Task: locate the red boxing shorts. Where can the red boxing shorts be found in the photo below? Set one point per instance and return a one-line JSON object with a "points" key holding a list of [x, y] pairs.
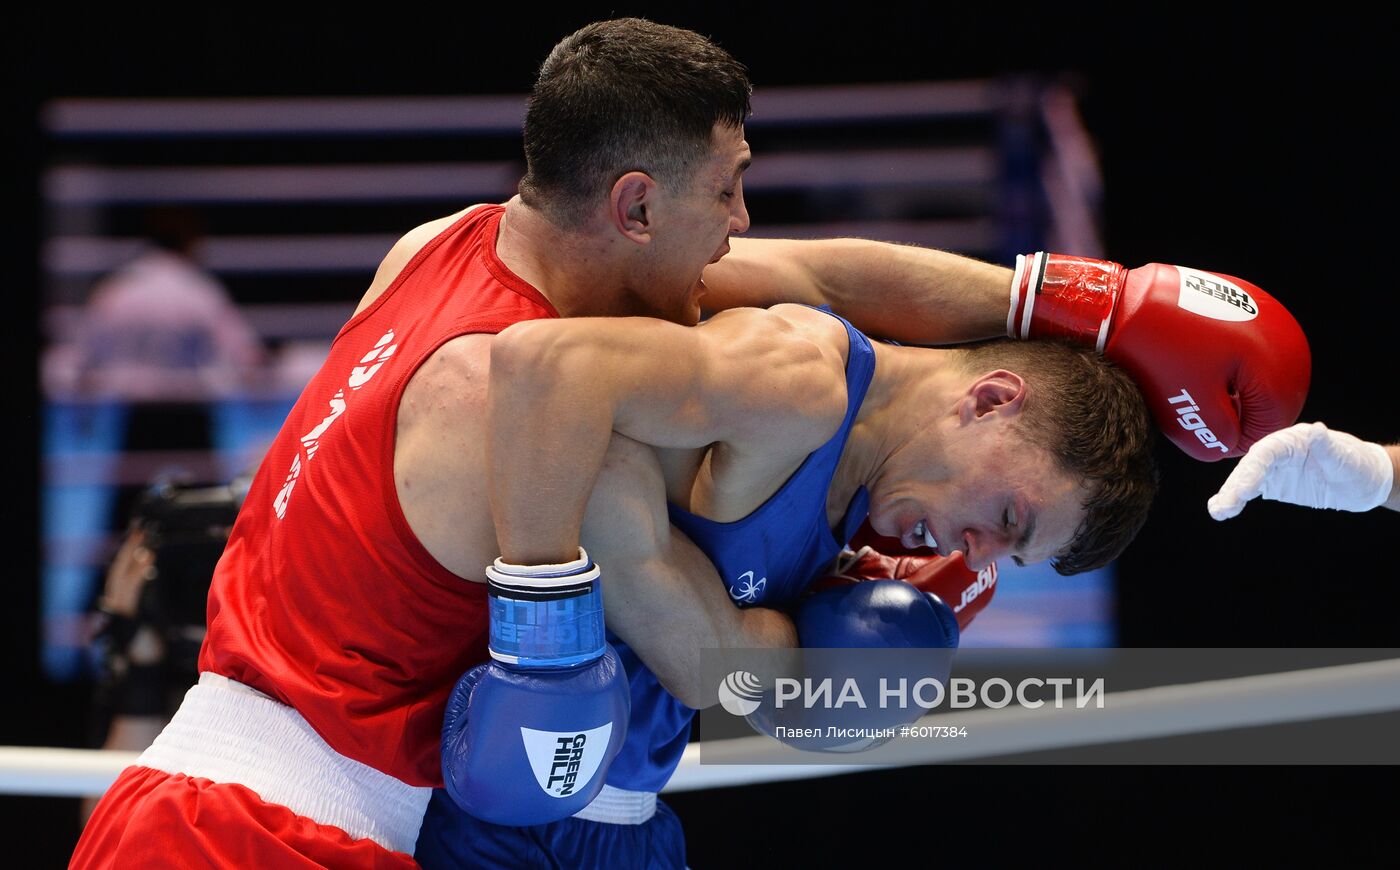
{"points": [[240, 780]]}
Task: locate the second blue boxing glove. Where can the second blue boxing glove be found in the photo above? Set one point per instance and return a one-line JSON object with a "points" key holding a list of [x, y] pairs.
{"points": [[528, 736]]}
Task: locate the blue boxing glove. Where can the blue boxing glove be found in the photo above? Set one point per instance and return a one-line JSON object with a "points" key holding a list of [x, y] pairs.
{"points": [[873, 615], [528, 737], [878, 614]]}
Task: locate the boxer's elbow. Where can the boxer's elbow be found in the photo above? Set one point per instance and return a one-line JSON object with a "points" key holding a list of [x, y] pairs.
{"points": [[769, 635], [760, 628], [685, 685]]}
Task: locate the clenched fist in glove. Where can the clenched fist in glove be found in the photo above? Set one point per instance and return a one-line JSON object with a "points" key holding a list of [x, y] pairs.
{"points": [[1311, 465], [1220, 363]]}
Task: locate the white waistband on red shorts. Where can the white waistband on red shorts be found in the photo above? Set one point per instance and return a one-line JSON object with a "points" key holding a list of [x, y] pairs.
{"points": [[618, 806], [229, 733]]}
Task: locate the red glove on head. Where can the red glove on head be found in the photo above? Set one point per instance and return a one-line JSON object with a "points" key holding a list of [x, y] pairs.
{"points": [[1219, 361]]}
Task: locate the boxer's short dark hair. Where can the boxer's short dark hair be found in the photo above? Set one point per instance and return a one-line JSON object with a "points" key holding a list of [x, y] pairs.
{"points": [[1089, 415], [620, 96]]}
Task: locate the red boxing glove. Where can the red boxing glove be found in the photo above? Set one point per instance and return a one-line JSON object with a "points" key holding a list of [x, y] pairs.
{"points": [[966, 591], [1219, 361]]}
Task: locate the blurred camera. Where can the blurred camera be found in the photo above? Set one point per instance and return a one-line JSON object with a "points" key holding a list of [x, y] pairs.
{"points": [[186, 528]]}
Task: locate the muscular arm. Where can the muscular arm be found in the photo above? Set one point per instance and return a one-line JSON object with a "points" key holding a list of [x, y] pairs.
{"points": [[559, 389], [660, 592], [911, 294]]}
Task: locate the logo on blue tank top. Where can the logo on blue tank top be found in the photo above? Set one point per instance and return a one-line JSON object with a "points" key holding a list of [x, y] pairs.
{"points": [[747, 590]]}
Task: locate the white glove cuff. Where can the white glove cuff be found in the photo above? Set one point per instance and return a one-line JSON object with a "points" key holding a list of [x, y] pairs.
{"points": [[1022, 303], [579, 570]]}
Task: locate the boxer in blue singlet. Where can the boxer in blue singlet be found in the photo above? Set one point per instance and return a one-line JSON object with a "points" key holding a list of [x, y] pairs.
{"points": [[765, 559], [769, 421]]}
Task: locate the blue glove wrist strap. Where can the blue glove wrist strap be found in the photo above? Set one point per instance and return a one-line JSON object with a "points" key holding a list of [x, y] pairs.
{"points": [[544, 618]]}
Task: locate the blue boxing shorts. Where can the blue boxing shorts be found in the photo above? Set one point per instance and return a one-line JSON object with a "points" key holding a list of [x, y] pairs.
{"points": [[450, 838]]}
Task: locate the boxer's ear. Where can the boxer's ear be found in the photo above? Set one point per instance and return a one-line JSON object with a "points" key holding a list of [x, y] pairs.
{"points": [[630, 205], [997, 393]]}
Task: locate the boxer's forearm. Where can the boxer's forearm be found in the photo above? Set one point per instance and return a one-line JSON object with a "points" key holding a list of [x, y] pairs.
{"points": [[910, 294], [661, 594], [543, 453], [672, 611]]}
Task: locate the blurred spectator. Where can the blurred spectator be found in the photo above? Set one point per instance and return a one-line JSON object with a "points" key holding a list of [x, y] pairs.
{"points": [[154, 363], [159, 328]]}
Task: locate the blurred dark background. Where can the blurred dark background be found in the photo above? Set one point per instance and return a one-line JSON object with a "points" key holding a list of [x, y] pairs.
{"points": [[1259, 148]]}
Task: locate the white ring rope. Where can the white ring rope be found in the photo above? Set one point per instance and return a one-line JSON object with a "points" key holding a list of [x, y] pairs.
{"points": [[60, 772], [1164, 711], [1190, 708]]}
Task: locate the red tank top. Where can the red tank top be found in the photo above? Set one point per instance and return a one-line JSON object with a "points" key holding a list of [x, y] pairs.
{"points": [[324, 599]]}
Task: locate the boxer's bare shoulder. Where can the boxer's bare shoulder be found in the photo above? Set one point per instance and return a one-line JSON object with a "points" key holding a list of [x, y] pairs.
{"points": [[732, 479], [402, 252], [818, 327], [440, 456]]}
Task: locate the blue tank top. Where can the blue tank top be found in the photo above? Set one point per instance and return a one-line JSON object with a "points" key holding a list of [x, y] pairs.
{"points": [[767, 558]]}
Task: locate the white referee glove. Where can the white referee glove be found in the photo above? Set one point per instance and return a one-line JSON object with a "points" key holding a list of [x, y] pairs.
{"points": [[1310, 465]]}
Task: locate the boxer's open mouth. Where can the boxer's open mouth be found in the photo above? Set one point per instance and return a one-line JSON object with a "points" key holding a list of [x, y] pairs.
{"points": [[925, 535]]}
